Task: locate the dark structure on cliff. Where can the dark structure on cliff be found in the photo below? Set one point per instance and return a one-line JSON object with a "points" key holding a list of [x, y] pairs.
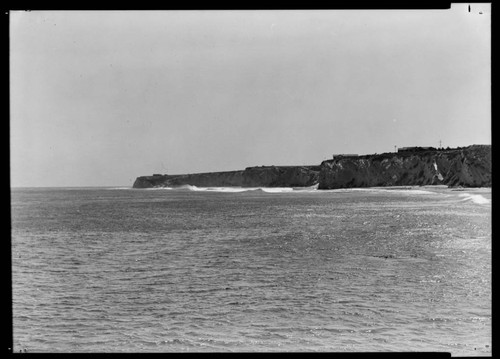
{"points": [[416, 149], [344, 155]]}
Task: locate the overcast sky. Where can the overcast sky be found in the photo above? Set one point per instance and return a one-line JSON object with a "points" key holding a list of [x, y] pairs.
{"points": [[99, 98]]}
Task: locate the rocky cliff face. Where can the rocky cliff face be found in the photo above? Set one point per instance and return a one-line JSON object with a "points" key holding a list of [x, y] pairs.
{"points": [[467, 167], [265, 176]]}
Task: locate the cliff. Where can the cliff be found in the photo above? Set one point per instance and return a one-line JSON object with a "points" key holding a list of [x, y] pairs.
{"points": [[467, 167], [265, 176]]}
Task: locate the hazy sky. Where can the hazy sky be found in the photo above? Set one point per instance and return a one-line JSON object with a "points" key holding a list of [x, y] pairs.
{"points": [[99, 98]]}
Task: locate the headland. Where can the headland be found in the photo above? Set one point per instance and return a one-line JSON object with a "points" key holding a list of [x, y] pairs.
{"points": [[410, 166]]}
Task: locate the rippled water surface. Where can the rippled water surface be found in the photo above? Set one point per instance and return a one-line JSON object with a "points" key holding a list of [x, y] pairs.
{"points": [[125, 270]]}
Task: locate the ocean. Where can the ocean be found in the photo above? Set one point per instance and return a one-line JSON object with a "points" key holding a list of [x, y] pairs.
{"points": [[238, 270]]}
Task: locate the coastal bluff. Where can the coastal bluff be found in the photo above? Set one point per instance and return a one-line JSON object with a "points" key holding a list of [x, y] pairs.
{"points": [[466, 166], [264, 176]]}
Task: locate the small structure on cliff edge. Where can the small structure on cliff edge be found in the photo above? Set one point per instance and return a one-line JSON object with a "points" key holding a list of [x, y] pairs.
{"points": [[344, 155], [415, 149]]}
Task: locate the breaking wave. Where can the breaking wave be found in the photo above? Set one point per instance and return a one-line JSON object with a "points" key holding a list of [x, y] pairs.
{"points": [[239, 189], [476, 198], [216, 189], [156, 188], [310, 189], [383, 190]]}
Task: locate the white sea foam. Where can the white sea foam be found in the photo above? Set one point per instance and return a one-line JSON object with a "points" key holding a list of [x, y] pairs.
{"points": [[476, 198], [276, 189], [246, 189], [306, 189], [229, 189], [415, 191], [310, 189], [222, 189], [192, 188], [213, 189], [383, 190], [157, 188]]}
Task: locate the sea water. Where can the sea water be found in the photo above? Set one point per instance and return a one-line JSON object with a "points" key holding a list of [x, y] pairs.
{"points": [[228, 269]]}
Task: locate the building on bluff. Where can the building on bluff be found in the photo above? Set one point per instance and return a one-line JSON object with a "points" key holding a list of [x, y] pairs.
{"points": [[415, 149], [338, 156]]}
